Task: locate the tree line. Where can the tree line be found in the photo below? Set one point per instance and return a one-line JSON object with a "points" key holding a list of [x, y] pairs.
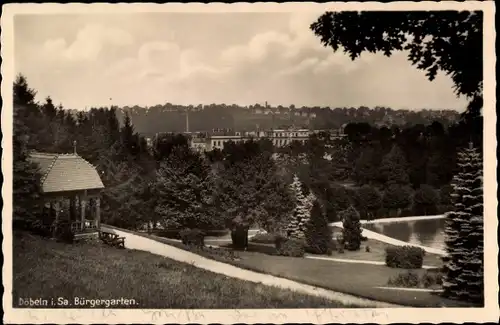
{"points": [[379, 171], [172, 118]]}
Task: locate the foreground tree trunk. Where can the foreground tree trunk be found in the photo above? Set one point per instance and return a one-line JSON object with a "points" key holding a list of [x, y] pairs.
{"points": [[239, 237], [239, 233]]}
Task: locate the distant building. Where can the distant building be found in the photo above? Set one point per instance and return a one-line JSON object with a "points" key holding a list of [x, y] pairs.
{"points": [[204, 141], [278, 137]]}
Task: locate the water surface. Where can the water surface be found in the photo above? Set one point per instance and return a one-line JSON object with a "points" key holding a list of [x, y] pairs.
{"points": [[428, 232]]}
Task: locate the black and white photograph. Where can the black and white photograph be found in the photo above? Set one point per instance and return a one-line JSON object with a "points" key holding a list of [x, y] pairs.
{"points": [[243, 163]]}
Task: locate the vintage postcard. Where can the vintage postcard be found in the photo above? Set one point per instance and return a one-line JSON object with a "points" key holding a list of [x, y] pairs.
{"points": [[249, 163]]}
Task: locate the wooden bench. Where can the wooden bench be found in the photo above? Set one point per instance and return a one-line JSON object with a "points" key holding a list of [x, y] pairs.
{"points": [[112, 239]]}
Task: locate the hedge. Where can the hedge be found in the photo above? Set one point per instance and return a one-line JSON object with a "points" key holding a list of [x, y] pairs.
{"points": [[404, 257]]}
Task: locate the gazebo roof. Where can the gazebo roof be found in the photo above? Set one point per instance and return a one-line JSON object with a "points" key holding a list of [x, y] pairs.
{"points": [[66, 172]]}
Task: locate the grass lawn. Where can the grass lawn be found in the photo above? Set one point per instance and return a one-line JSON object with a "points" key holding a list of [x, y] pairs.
{"points": [[377, 251], [356, 279], [47, 269]]}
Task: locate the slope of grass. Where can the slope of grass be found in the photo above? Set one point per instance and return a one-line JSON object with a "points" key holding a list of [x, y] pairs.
{"points": [[361, 280], [47, 269]]}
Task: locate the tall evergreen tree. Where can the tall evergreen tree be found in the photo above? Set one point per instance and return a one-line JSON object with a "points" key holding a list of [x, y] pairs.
{"points": [[464, 274], [318, 234], [301, 213], [351, 229], [26, 178]]}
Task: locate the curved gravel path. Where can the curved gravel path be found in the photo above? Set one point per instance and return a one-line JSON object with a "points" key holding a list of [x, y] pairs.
{"points": [[145, 244]]}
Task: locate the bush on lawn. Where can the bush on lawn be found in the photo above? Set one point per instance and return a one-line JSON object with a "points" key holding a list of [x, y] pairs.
{"points": [[290, 247], [404, 257], [351, 229], [214, 253], [175, 233], [193, 237], [265, 238], [430, 279], [407, 280], [410, 279]]}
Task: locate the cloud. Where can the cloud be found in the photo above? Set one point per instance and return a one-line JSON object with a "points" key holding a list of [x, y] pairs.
{"points": [[283, 64], [88, 44]]}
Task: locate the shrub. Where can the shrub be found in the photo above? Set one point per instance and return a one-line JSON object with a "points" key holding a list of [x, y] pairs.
{"points": [[351, 229], [407, 280], [404, 257], [430, 279], [341, 249], [291, 247], [367, 249], [213, 253], [193, 237], [265, 238], [170, 233], [364, 238], [318, 233], [410, 279], [279, 240]]}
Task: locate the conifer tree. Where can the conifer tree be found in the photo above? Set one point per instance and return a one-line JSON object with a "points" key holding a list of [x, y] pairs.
{"points": [[318, 233], [301, 213], [351, 230], [464, 231], [26, 185]]}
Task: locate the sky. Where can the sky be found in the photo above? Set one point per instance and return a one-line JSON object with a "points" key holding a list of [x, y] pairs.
{"points": [[145, 59]]}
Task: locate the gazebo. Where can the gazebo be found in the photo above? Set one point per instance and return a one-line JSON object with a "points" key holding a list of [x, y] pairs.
{"points": [[70, 183]]}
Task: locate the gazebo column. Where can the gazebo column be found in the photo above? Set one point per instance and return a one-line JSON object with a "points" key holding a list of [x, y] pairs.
{"points": [[83, 203], [55, 205], [57, 210], [98, 212], [72, 208]]}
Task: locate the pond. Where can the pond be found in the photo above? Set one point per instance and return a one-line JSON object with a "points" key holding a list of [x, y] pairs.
{"points": [[429, 232]]}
